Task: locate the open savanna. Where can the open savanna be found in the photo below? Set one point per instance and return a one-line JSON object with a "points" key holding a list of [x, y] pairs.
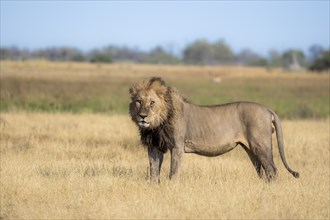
{"points": [[68, 149], [91, 166]]}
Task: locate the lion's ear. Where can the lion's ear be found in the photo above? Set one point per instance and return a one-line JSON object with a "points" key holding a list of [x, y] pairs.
{"points": [[133, 90], [158, 85]]}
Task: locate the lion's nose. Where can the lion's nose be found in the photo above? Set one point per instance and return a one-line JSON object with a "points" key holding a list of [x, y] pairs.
{"points": [[143, 115]]}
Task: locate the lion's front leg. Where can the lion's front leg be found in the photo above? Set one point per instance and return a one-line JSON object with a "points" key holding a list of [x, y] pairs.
{"points": [[176, 154], [155, 161]]}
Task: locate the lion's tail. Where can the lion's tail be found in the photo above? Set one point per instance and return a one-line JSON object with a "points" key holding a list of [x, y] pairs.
{"points": [[279, 136]]}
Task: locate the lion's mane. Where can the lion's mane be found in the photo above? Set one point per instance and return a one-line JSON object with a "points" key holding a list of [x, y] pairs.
{"points": [[161, 136]]}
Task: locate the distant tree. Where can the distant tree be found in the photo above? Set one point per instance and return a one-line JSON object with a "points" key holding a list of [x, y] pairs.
{"points": [[14, 53], [59, 54], [250, 58], [79, 57], [222, 53], [198, 52], [159, 56], [293, 59], [6, 54], [204, 53], [315, 52], [97, 56], [262, 62], [275, 58], [123, 53], [322, 63]]}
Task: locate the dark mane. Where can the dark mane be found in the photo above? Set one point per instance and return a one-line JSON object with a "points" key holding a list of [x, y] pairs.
{"points": [[161, 137]]}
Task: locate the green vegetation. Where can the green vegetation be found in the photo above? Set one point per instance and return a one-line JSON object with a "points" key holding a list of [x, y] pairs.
{"points": [[202, 52], [101, 58], [322, 63], [59, 96], [66, 87]]}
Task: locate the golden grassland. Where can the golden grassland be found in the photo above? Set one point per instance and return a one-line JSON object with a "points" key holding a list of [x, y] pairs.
{"points": [[91, 166], [63, 158]]}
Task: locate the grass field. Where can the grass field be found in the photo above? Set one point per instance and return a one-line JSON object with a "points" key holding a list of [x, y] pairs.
{"points": [[95, 88], [68, 149], [91, 166]]}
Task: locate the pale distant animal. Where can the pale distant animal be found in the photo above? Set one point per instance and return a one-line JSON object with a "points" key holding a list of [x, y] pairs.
{"points": [[167, 121], [214, 78]]}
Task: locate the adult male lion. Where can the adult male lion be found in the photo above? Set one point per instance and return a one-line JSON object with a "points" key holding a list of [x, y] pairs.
{"points": [[167, 121]]}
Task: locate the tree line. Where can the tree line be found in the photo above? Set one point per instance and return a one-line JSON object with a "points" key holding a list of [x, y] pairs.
{"points": [[199, 52]]}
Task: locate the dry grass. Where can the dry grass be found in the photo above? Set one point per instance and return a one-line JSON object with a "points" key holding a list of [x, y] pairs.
{"points": [[91, 166], [64, 166]]}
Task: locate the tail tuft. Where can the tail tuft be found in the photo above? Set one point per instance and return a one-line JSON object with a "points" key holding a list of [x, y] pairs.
{"points": [[295, 174]]}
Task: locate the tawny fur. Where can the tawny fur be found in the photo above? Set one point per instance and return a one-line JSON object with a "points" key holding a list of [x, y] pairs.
{"points": [[167, 121]]}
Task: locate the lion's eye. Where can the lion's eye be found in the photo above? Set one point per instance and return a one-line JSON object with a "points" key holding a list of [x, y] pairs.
{"points": [[138, 102], [152, 103]]}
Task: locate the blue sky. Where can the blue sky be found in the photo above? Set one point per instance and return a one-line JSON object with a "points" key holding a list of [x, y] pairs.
{"points": [[258, 25]]}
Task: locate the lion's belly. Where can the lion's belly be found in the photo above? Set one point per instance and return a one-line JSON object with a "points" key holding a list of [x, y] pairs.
{"points": [[209, 132], [207, 149]]}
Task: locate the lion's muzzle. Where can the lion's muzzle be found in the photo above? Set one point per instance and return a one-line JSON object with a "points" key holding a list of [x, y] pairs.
{"points": [[141, 120], [142, 123]]}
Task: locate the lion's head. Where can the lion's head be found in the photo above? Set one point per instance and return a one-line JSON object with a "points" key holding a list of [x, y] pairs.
{"points": [[151, 103]]}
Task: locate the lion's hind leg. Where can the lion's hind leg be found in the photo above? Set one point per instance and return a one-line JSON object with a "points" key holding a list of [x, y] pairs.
{"points": [[265, 156], [255, 161], [270, 169], [260, 144]]}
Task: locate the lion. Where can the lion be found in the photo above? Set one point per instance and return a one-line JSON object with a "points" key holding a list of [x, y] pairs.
{"points": [[168, 121]]}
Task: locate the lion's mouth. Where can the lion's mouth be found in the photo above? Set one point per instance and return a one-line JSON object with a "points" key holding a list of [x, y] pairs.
{"points": [[144, 124]]}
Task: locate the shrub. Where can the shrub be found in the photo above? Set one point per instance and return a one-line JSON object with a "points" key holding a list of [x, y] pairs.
{"points": [[322, 63]]}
